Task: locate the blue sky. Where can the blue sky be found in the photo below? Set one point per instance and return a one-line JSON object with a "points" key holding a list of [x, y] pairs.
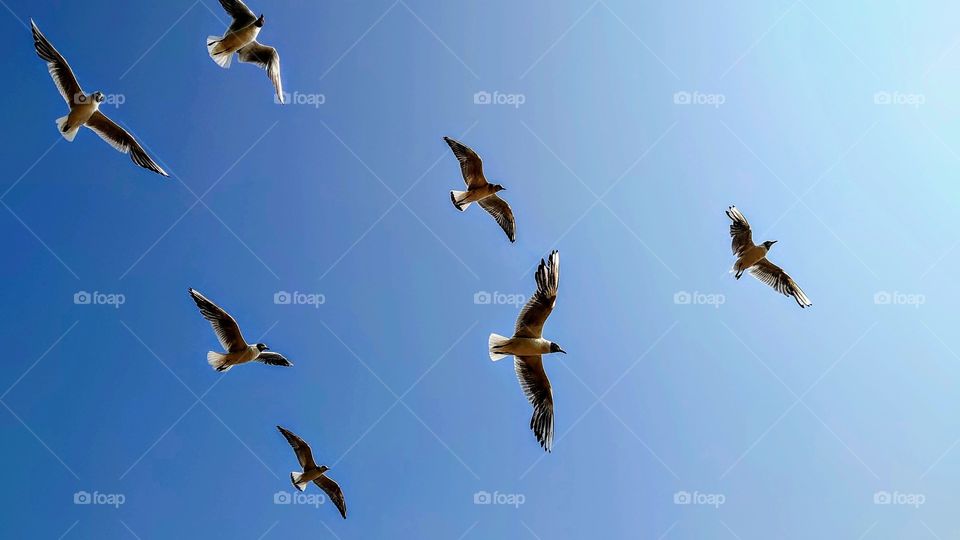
{"points": [[830, 126]]}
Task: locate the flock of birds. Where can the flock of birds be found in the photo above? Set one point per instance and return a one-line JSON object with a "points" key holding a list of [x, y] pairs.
{"points": [[527, 344]]}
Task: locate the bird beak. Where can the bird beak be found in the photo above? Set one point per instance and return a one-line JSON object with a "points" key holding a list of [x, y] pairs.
{"points": [[266, 348], [773, 242], [563, 351]]}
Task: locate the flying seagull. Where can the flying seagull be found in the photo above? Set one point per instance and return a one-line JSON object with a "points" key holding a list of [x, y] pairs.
{"points": [[753, 259], [527, 346], [312, 473], [238, 352], [479, 190], [241, 38], [85, 108]]}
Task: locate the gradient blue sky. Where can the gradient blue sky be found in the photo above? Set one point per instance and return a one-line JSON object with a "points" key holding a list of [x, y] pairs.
{"points": [[797, 419]]}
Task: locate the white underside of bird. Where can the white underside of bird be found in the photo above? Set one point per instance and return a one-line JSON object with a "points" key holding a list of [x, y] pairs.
{"points": [[502, 346], [225, 361], [223, 48]]}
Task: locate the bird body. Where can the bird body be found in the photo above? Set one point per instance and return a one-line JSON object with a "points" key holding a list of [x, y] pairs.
{"points": [[528, 346], [228, 333], [241, 39], [753, 258], [85, 108], [231, 42], [312, 472], [479, 190]]}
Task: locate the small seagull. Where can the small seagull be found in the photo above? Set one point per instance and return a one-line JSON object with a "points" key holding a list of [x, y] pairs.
{"points": [[228, 332], [312, 473], [241, 38], [753, 259], [85, 108], [479, 190], [527, 346]]}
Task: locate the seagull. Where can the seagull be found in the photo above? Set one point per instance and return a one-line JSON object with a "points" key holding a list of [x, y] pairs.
{"points": [[527, 346], [753, 259], [312, 473], [238, 352], [241, 38], [479, 191], [85, 108]]}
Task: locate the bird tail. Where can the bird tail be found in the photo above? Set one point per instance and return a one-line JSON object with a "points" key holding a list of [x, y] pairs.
{"points": [[297, 480], [495, 341], [68, 132], [218, 361], [454, 195], [222, 58]]}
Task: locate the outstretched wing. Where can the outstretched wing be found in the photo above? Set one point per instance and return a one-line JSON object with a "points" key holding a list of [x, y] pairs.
{"points": [[267, 58], [470, 164], [500, 210], [273, 359], [775, 277], [123, 141], [332, 489], [535, 312], [242, 16], [536, 386], [302, 449], [739, 231], [228, 332], [60, 71]]}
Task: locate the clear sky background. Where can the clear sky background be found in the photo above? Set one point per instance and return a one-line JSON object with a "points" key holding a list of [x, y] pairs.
{"points": [[831, 125]]}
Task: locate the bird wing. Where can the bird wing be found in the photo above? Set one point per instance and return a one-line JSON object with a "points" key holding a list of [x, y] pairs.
{"points": [[332, 489], [470, 164], [242, 16], [123, 141], [273, 359], [739, 231], [775, 277], [536, 386], [535, 312], [265, 57], [302, 449], [59, 69], [228, 332], [500, 210]]}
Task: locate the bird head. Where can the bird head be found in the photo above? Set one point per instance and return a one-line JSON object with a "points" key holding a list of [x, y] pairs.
{"points": [[98, 96], [556, 348], [323, 469], [262, 347], [498, 187], [769, 243], [259, 22]]}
